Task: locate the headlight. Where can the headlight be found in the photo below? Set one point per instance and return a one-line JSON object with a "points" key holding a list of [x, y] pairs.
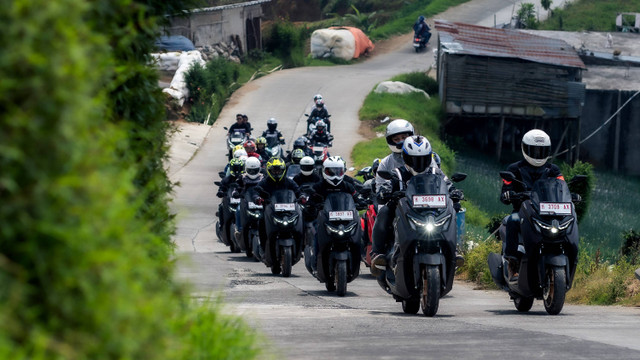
{"points": [[255, 214], [233, 208], [552, 229], [430, 225], [286, 221], [340, 230]]}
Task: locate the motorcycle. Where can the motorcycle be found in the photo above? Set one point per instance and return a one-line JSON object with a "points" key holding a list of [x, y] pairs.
{"points": [[548, 245], [420, 42], [223, 230], [251, 214], [282, 246], [423, 258], [237, 137], [337, 261], [311, 123]]}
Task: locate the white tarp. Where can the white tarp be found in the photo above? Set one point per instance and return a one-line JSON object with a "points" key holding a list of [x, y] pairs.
{"points": [[178, 88], [397, 87], [338, 43], [167, 61]]}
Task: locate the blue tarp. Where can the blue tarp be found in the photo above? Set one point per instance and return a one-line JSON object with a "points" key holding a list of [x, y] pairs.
{"points": [[174, 43]]}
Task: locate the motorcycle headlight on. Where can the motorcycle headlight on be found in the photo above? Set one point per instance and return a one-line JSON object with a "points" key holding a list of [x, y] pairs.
{"points": [[254, 214], [552, 229], [286, 221], [340, 230], [430, 224]]}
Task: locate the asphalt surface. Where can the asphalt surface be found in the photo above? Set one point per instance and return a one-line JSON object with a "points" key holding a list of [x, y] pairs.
{"points": [[299, 318]]}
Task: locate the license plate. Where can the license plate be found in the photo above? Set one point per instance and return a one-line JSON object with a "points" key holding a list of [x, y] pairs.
{"points": [[254, 206], [236, 140], [318, 149], [555, 208], [285, 207], [234, 201], [340, 215], [416, 44], [429, 201]]}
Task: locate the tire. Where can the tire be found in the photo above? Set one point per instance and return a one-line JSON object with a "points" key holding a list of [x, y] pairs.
{"points": [[523, 304], [249, 250], [275, 268], [430, 291], [330, 283], [554, 289], [341, 277], [417, 49], [410, 306], [286, 261]]}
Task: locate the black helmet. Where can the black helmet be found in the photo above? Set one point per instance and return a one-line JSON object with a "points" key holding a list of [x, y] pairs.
{"points": [[272, 124], [320, 126], [300, 143]]}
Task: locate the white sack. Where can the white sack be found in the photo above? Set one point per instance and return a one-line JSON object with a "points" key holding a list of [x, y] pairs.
{"points": [[339, 43], [397, 87], [167, 61], [178, 88]]}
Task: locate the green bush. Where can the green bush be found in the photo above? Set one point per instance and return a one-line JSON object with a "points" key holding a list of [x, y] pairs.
{"points": [[584, 189], [286, 41], [631, 246], [210, 87], [475, 266]]}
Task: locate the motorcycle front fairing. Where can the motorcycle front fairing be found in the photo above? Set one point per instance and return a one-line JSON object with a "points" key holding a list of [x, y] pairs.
{"points": [[549, 232], [425, 234], [338, 232], [283, 221]]}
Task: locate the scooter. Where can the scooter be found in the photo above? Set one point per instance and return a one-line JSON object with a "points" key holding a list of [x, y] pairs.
{"points": [[320, 153], [251, 214], [548, 245], [311, 123], [423, 258], [223, 230], [420, 42], [281, 245], [235, 138], [337, 259]]}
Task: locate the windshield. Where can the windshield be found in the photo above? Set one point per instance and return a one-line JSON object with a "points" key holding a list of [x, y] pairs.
{"points": [[550, 190], [238, 133], [272, 140], [293, 170], [250, 194], [339, 201], [427, 184], [284, 196]]}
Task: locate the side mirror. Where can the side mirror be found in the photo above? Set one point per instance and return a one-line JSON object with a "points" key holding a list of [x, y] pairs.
{"points": [[218, 183], [507, 175], [385, 174], [226, 128], [457, 177], [307, 115], [577, 179], [222, 174]]}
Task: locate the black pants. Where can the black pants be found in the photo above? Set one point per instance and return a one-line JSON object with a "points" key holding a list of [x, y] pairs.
{"points": [[511, 241], [382, 233]]}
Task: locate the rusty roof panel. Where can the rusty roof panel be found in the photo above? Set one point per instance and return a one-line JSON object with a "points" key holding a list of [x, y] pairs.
{"points": [[460, 38]]}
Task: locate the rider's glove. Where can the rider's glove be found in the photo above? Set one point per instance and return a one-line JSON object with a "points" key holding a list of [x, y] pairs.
{"points": [[303, 199], [576, 198], [507, 196], [457, 195], [220, 194], [258, 201], [235, 195]]}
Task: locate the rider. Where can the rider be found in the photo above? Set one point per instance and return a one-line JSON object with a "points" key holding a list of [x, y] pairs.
{"points": [[272, 132], [536, 149], [245, 119], [307, 174], [236, 168], [250, 148], [302, 143], [294, 157], [319, 112], [418, 158], [250, 178], [421, 29], [320, 134], [261, 144], [240, 125]]}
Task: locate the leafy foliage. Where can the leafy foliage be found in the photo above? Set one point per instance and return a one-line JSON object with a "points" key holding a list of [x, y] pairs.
{"points": [[475, 266], [589, 15], [631, 246], [210, 87], [526, 16], [584, 189], [286, 41]]}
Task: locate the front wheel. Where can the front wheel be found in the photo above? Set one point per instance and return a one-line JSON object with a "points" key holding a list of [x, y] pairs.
{"points": [[430, 292], [523, 304], [341, 277], [554, 290], [285, 261], [410, 306]]}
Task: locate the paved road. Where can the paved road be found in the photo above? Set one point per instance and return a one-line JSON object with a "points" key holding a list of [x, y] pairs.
{"points": [[300, 319]]}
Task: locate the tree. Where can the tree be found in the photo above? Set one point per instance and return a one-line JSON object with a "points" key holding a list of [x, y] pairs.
{"points": [[526, 16]]}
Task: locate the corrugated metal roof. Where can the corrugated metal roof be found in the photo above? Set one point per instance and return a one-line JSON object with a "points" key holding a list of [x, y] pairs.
{"points": [[460, 38], [229, 6]]}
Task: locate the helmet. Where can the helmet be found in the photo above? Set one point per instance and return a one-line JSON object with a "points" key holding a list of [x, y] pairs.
{"points": [[536, 147], [239, 153], [297, 155], [272, 124], [321, 126], [307, 165], [300, 143], [237, 147], [276, 169], [317, 97], [375, 166], [417, 154], [261, 141], [236, 167], [252, 168], [333, 170], [420, 18], [250, 146], [319, 103], [398, 126]]}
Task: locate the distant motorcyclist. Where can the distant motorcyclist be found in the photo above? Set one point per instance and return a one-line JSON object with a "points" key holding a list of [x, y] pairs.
{"points": [[418, 158], [294, 157], [302, 143], [272, 134], [536, 149], [308, 175], [261, 144], [250, 178], [320, 112], [245, 119], [250, 148], [422, 30], [236, 169], [321, 134], [240, 125]]}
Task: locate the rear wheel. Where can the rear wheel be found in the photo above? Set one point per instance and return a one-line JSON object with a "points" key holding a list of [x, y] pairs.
{"points": [[410, 306], [554, 290], [341, 277], [285, 261], [430, 292], [523, 304]]}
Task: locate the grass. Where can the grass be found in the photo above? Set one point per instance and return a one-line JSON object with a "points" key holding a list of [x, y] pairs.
{"points": [[590, 15]]}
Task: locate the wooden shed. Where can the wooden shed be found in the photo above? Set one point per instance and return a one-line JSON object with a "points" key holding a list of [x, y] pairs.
{"points": [[492, 78]]}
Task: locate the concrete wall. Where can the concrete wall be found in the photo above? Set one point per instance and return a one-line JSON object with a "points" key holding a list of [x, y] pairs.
{"points": [[617, 145]]}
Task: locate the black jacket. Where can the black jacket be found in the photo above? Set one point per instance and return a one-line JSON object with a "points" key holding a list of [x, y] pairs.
{"points": [[321, 189], [528, 174], [267, 185], [244, 126], [323, 137], [225, 183]]}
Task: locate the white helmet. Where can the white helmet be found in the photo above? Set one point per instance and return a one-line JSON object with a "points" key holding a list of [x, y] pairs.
{"points": [[317, 97], [307, 165], [333, 170], [272, 124], [321, 126], [398, 126], [536, 147], [252, 168], [240, 153], [417, 154]]}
